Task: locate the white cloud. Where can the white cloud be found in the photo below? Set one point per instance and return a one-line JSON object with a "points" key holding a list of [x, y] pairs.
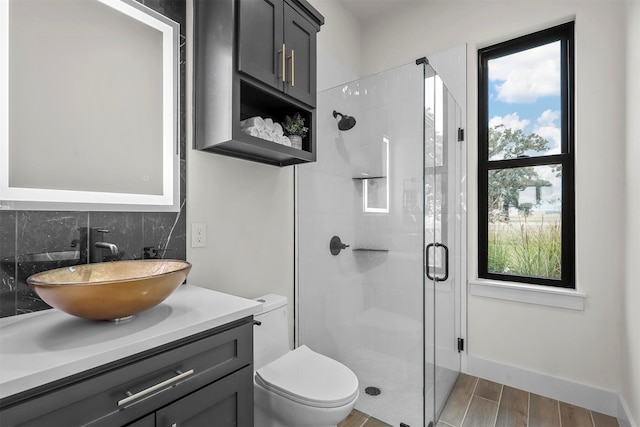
{"points": [[548, 118], [525, 76], [510, 121], [547, 127]]}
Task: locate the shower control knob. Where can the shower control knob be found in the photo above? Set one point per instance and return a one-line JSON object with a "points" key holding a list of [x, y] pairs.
{"points": [[336, 245]]}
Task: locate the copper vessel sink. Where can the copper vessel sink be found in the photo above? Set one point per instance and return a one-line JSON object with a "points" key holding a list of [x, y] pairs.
{"points": [[110, 290]]}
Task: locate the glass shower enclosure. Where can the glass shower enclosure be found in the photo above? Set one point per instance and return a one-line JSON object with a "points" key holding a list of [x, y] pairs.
{"points": [[379, 240]]}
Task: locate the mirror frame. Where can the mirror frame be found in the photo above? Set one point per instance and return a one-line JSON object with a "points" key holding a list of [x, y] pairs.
{"points": [[20, 198]]}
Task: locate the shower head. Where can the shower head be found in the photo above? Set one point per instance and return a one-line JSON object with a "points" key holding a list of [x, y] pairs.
{"points": [[345, 122]]}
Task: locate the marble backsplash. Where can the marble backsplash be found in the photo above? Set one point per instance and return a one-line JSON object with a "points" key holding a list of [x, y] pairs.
{"points": [[137, 235]]}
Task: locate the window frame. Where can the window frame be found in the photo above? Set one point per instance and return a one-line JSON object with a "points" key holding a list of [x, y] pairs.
{"points": [[565, 35]]}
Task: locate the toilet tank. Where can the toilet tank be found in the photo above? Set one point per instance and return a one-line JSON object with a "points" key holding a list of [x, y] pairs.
{"points": [[271, 337]]}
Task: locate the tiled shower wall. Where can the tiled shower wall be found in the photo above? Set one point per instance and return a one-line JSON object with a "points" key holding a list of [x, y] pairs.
{"points": [[137, 234]]}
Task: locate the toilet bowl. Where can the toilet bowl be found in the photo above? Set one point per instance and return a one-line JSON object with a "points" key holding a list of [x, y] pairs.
{"points": [[296, 388]]}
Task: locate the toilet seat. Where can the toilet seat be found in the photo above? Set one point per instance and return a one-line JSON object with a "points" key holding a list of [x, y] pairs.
{"points": [[309, 378]]}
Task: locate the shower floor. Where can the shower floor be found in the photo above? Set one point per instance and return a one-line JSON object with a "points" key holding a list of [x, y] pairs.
{"points": [[401, 391]]}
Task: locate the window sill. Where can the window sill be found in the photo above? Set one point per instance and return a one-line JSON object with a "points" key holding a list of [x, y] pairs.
{"points": [[531, 294]]}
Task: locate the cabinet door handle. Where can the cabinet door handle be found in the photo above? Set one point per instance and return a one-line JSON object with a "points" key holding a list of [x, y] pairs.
{"points": [[284, 64], [131, 397], [292, 57]]}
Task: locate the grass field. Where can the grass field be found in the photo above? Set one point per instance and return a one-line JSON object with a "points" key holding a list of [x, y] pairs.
{"points": [[527, 246]]}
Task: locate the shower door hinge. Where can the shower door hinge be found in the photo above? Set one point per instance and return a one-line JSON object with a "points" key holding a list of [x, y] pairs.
{"points": [[460, 134], [460, 345]]}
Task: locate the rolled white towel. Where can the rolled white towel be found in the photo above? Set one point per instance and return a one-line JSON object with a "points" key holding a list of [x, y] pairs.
{"points": [[285, 141], [277, 129], [268, 134], [253, 131], [268, 124], [256, 122]]}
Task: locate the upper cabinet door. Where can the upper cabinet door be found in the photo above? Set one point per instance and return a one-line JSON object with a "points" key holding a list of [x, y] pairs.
{"points": [[300, 40], [260, 40]]}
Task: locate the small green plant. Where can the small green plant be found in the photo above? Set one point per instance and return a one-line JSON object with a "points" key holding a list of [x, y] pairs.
{"points": [[295, 125]]}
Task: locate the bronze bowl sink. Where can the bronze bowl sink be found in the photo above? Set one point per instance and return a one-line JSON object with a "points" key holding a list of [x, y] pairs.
{"points": [[110, 290]]}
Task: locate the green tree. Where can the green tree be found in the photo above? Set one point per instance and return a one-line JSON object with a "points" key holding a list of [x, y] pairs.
{"points": [[505, 185]]}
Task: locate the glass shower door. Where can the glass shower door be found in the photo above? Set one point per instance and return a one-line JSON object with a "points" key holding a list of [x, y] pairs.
{"points": [[442, 224]]}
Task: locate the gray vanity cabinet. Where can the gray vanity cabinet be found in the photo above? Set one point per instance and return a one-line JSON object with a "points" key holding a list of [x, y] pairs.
{"points": [[204, 379], [218, 404]]}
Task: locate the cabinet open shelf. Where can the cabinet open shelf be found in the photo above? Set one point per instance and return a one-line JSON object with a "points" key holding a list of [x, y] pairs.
{"points": [[261, 150]]}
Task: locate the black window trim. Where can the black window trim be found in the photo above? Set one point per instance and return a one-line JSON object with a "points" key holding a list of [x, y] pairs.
{"points": [[565, 34]]}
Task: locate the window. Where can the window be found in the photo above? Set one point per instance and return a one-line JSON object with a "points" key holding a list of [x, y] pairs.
{"points": [[525, 159]]}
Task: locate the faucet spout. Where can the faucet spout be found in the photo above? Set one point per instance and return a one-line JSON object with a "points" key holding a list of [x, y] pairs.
{"points": [[110, 246], [94, 239]]}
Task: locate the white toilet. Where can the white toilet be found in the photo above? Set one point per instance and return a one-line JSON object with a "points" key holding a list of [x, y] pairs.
{"points": [[295, 388]]}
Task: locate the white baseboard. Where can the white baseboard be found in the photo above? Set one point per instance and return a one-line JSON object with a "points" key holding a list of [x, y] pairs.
{"points": [[595, 399], [624, 414]]}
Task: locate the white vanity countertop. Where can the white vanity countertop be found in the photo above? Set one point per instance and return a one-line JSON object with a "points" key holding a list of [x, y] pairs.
{"points": [[41, 347]]}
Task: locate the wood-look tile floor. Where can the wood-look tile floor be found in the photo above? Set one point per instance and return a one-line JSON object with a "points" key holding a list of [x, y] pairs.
{"points": [[475, 402], [360, 419]]}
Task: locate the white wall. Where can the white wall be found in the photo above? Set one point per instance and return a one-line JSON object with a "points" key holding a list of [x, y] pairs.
{"points": [[631, 293], [339, 45], [580, 346], [248, 209]]}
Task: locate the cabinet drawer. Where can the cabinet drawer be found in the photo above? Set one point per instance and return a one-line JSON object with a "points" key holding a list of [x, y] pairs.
{"points": [[225, 403], [154, 378]]}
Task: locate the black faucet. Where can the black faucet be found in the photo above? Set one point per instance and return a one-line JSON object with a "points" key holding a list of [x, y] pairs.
{"points": [[92, 245]]}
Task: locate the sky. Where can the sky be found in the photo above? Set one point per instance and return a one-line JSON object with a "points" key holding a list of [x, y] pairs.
{"points": [[524, 94]]}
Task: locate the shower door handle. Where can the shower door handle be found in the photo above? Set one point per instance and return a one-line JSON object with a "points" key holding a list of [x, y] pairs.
{"points": [[435, 277], [426, 261]]}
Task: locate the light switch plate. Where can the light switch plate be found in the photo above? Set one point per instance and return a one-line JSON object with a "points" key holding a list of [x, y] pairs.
{"points": [[198, 235]]}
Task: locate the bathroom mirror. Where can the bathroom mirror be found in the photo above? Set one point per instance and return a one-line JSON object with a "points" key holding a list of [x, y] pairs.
{"points": [[88, 106]]}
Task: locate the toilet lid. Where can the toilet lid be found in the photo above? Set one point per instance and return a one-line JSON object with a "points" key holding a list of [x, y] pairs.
{"points": [[307, 377]]}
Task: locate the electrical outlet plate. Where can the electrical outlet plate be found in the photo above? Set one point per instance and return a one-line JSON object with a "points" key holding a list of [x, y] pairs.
{"points": [[198, 235]]}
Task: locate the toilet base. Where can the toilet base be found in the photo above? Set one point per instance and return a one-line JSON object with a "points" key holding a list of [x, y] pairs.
{"points": [[273, 410]]}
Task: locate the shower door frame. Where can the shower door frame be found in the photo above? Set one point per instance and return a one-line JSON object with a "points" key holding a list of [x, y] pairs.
{"points": [[441, 165]]}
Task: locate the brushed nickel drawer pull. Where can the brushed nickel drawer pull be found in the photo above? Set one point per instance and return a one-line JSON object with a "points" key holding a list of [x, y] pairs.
{"points": [[131, 397]]}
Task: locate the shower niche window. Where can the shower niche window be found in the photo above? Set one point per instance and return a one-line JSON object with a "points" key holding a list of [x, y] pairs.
{"points": [[375, 185], [375, 195]]}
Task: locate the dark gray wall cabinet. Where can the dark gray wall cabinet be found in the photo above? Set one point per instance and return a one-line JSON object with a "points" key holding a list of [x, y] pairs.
{"points": [[277, 45], [216, 387], [254, 58]]}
